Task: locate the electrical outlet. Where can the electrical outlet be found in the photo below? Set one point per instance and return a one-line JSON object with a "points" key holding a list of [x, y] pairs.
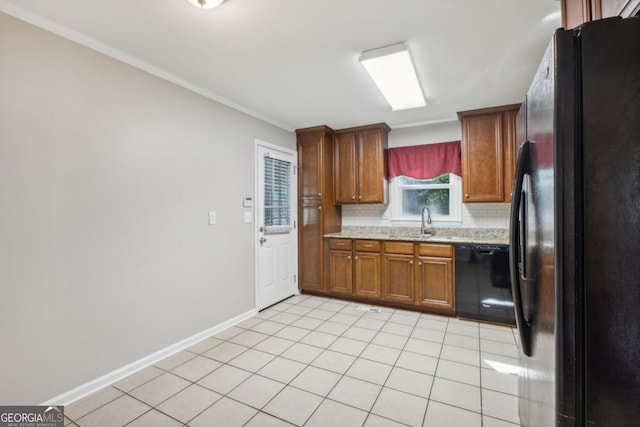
{"points": [[247, 216], [212, 217]]}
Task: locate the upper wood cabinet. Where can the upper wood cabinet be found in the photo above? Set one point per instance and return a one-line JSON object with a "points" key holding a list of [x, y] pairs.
{"points": [[315, 163], [359, 164], [345, 167], [488, 139], [577, 12]]}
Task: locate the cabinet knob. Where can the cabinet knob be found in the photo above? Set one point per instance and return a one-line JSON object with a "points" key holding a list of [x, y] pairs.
{"points": [[419, 262], [353, 197], [466, 195], [320, 207], [319, 194], [411, 262], [348, 256], [355, 257], [359, 197]]}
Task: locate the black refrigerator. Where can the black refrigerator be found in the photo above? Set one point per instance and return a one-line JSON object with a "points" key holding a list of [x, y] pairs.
{"points": [[575, 231]]}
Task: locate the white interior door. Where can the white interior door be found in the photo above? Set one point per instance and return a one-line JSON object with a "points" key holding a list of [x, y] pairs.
{"points": [[276, 234]]}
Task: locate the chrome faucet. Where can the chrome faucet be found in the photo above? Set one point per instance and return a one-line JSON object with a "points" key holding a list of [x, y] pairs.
{"points": [[423, 228]]}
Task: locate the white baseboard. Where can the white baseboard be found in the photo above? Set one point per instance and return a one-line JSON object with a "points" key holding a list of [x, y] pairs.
{"points": [[92, 386]]}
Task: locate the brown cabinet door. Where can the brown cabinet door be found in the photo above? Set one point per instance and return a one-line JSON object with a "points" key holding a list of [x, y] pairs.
{"points": [[398, 274], [482, 158], [610, 8], [577, 12], [310, 165], [345, 181], [367, 274], [434, 284], [370, 166], [340, 272], [310, 256], [510, 152]]}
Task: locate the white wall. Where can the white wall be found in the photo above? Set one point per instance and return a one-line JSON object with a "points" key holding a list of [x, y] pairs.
{"points": [[429, 134], [106, 177], [482, 215]]}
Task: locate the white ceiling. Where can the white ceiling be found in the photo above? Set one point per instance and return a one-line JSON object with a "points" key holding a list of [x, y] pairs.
{"points": [[294, 63]]}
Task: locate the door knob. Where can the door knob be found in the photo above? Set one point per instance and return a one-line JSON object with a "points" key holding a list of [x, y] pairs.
{"points": [[263, 240]]}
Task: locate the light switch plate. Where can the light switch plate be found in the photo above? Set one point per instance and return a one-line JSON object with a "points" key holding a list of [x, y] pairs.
{"points": [[212, 217], [247, 216]]}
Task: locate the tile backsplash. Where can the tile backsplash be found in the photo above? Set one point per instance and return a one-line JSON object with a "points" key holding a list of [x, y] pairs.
{"points": [[474, 215]]}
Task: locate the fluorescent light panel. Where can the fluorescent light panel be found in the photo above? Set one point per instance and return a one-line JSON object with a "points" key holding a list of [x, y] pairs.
{"points": [[206, 4], [392, 70]]}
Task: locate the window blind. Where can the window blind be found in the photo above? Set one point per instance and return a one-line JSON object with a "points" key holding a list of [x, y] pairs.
{"points": [[277, 189]]}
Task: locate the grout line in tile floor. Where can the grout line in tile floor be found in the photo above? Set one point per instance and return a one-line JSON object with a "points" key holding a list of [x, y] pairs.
{"points": [[480, 364], [345, 308]]}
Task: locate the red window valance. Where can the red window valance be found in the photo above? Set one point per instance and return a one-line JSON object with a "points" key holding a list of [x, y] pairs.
{"points": [[425, 161]]}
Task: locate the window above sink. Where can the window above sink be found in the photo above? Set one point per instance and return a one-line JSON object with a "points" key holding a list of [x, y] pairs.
{"points": [[441, 194]]}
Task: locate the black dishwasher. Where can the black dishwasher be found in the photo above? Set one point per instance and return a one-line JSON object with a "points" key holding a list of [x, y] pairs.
{"points": [[483, 286]]}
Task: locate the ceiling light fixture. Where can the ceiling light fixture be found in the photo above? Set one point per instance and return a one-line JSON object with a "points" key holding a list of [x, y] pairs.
{"points": [[392, 70], [206, 4]]}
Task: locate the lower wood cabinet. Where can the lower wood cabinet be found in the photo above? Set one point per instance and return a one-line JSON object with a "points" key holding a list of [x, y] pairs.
{"points": [[340, 272], [398, 278], [434, 284], [435, 277], [340, 279], [310, 246], [405, 274], [366, 272], [399, 272]]}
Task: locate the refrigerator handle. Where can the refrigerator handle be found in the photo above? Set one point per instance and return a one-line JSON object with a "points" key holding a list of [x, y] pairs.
{"points": [[517, 254]]}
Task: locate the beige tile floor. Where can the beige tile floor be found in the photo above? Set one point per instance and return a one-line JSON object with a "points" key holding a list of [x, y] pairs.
{"points": [[312, 361]]}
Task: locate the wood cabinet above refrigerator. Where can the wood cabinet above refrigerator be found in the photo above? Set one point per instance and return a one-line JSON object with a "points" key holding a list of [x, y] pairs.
{"points": [[577, 12], [488, 159]]}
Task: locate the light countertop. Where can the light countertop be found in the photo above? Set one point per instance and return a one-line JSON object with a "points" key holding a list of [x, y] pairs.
{"points": [[490, 236]]}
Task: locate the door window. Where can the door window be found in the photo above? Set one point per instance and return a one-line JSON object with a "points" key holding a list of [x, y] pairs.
{"points": [[277, 189]]}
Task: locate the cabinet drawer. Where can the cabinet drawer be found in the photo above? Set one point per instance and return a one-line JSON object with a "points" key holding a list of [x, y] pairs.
{"points": [[368, 245], [399, 247], [432, 249], [341, 244]]}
